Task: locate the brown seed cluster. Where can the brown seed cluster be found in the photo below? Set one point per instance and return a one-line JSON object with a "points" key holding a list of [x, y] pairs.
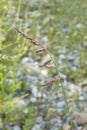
{"points": [[49, 82], [43, 49], [46, 63], [25, 36]]}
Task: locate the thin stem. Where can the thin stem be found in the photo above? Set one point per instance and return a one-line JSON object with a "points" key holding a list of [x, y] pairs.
{"points": [[63, 90]]}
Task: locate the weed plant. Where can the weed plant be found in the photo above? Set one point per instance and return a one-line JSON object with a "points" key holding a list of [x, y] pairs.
{"points": [[61, 26]]}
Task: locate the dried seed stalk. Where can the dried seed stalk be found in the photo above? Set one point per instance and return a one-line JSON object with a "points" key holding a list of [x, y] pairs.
{"points": [[45, 63], [51, 66], [25, 36], [49, 82], [41, 50]]}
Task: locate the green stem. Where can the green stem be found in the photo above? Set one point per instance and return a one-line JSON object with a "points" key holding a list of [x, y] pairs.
{"points": [[63, 91]]}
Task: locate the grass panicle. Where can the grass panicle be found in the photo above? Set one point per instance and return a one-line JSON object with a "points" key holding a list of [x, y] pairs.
{"points": [[55, 79]]}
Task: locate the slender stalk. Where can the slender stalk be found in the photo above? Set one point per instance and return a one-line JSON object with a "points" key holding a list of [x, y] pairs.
{"points": [[63, 91]]}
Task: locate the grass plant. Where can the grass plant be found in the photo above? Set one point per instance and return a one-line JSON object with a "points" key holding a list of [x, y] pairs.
{"points": [[60, 23]]}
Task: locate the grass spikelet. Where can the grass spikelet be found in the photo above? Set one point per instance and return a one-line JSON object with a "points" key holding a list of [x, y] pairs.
{"points": [[49, 82], [45, 63], [25, 36]]}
